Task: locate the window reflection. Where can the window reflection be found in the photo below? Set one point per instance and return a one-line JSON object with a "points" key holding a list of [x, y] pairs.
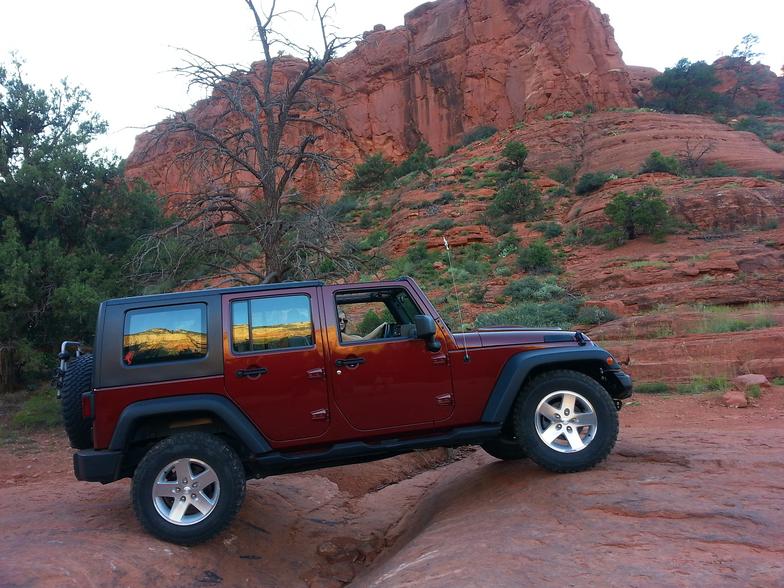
{"points": [[171, 333], [278, 322]]}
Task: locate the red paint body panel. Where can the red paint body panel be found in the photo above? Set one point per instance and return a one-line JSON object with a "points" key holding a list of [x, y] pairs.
{"points": [[302, 401], [110, 402], [281, 402]]}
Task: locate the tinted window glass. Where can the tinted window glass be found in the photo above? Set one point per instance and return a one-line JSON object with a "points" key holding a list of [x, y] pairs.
{"points": [[168, 333], [277, 322]]}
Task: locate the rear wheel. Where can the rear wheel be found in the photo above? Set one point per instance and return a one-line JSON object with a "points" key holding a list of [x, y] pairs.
{"points": [[566, 421], [77, 380], [188, 488]]}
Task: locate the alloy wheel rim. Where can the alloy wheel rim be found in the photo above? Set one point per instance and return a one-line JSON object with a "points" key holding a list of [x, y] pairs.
{"points": [[186, 491], [566, 421]]}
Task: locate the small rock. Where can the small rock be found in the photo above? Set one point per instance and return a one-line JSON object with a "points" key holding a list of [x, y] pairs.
{"points": [[735, 399], [747, 380]]}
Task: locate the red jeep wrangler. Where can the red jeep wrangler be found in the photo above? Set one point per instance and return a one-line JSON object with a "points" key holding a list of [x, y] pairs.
{"points": [[192, 393]]}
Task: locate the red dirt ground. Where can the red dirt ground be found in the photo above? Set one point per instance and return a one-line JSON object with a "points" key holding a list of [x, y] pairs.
{"points": [[690, 496]]}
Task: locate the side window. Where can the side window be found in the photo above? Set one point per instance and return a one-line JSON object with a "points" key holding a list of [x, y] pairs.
{"points": [[166, 333], [375, 314], [273, 322]]}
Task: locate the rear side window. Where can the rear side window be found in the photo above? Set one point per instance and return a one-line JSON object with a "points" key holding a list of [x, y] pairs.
{"points": [[166, 333], [273, 322]]}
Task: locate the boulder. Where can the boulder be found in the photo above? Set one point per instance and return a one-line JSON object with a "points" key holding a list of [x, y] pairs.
{"points": [[735, 399], [743, 382]]}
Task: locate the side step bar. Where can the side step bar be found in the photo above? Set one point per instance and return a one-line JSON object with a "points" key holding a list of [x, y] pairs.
{"points": [[279, 462]]}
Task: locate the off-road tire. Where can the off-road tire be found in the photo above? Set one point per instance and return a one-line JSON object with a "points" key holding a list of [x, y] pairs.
{"points": [[525, 421], [77, 380], [505, 449], [200, 446]]}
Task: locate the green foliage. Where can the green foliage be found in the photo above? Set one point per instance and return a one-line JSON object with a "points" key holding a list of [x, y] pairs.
{"points": [[70, 223], [702, 384], [687, 88], [595, 315], [373, 240], [443, 225], [377, 172], [642, 213], [656, 162], [515, 202], [516, 153], [343, 207], [371, 174], [478, 134], [754, 125], [728, 324], [651, 388], [533, 289], [719, 169], [763, 108], [537, 257], [564, 174], [778, 381], [530, 314], [549, 229], [469, 171], [591, 182], [40, 410]]}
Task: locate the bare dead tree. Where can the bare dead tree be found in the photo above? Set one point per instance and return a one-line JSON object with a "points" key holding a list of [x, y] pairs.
{"points": [[245, 223], [694, 150]]}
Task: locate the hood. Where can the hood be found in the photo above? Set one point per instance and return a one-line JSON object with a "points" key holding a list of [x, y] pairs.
{"points": [[503, 336]]}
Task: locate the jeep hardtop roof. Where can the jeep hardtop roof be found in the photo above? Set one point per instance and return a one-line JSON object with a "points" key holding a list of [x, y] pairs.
{"points": [[173, 296]]}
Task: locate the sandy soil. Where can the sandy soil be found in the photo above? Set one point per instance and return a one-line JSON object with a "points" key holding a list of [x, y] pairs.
{"points": [[690, 496]]}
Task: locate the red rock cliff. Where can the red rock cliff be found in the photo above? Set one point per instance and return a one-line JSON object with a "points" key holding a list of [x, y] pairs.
{"points": [[453, 66]]}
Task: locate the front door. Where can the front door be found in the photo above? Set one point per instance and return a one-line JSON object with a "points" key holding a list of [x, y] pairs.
{"points": [[384, 377], [274, 362]]}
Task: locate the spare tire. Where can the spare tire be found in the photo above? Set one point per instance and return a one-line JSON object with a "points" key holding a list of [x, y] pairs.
{"points": [[77, 380]]}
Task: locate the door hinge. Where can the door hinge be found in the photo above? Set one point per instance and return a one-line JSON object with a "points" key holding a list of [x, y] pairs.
{"points": [[445, 399], [322, 414]]}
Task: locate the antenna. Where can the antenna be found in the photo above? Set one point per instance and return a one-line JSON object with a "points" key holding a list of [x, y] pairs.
{"points": [[457, 299]]}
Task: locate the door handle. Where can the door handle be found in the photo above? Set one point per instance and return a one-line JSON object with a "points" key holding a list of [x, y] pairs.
{"points": [[350, 362], [250, 372]]}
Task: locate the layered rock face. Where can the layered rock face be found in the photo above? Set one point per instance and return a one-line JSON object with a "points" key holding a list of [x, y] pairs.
{"points": [[453, 66]]}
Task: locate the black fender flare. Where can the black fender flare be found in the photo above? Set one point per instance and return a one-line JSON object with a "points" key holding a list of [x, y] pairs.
{"points": [[517, 368], [215, 404]]}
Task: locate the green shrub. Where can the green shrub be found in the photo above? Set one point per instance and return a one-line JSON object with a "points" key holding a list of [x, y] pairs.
{"points": [[754, 391], [719, 169], [40, 410], [366, 220], [591, 182], [476, 293], [537, 257], [595, 315], [419, 160], [443, 225], [563, 174], [533, 289], [642, 213], [478, 134], [515, 202], [701, 384], [549, 229], [374, 239], [728, 324], [469, 172], [687, 88], [345, 205], [763, 108], [754, 125], [371, 174], [530, 314], [516, 153], [656, 162], [778, 381], [651, 388]]}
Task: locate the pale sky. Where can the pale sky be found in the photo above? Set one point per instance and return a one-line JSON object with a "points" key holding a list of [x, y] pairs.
{"points": [[122, 52]]}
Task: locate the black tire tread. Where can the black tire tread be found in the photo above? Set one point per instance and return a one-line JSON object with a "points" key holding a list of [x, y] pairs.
{"points": [[527, 441], [77, 380], [189, 443], [505, 449]]}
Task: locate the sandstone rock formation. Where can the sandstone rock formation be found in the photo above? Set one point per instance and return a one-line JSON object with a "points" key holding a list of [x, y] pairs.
{"points": [[453, 66]]}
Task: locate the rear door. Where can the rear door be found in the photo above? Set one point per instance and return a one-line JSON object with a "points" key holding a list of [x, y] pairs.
{"points": [[274, 362]]}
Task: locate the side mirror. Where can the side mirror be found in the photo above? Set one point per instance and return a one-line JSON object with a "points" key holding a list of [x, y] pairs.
{"points": [[426, 329]]}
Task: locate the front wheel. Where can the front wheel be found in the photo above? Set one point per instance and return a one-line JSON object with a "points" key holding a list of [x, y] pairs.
{"points": [[566, 421], [188, 488]]}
